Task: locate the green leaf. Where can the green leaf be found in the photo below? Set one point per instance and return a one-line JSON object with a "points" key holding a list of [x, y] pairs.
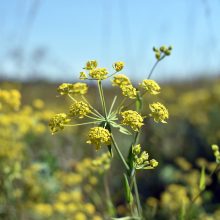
{"points": [[124, 130], [121, 129], [128, 193], [202, 182]]}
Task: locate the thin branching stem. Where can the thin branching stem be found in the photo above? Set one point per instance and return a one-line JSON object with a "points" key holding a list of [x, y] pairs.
{"points": [[119, 153], [154, 66], [102, 97], [112, 105], [137, 197], [95, 111], [86, 123], [72, 98]]}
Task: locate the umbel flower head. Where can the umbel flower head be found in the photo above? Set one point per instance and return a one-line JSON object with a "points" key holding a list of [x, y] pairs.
{"points": [[120, 80], [58, 121], [133, 119], [150, 86], [99, 136], [159, 112], [90, 65], [76, 88], [118, 66], [141, 159], [129, 91], [79, 109], [10, 98], [98, 73]]}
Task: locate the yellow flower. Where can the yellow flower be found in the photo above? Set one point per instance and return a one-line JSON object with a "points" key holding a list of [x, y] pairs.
{"points": [[153, 163], [64, 88], [92, 64], [80, 216], [150, 86], [80, 109], [38, 104], [89, 208], [83, 76], [79, 88], [159, 112], [120, 80], [98, 73], [10, 98], [136, 149], [57, 122], [43, 209], [76, 88], [133, 119], [118, 66], [129, 91], [99, 136]]}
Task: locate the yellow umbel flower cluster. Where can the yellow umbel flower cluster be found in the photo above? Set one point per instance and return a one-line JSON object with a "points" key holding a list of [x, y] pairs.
{"points": [[80, 109], [76, 88], [99, 136], [118, 66], [10, 99], [58, 121], [150, 86], [98, 73], [133, 119], [125, 85], [120, 80], [90, 65], [129, 91], [141, 159], [159, 112]]}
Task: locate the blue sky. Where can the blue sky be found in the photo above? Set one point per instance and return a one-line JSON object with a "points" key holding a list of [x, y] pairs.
{"points": [[53, 39]]}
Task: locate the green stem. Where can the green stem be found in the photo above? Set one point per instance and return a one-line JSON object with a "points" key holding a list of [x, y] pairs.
{"points": [[95, 111], [119, 153], [72, 98], [154, 66], [86, 123], [137, 197], [122, 102], [112, 105], [102, 97], [98, 119]]}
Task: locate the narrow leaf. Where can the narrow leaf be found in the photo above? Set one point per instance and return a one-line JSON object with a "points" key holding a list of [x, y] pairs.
{"points": [[128, 194], [202, 182]]}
